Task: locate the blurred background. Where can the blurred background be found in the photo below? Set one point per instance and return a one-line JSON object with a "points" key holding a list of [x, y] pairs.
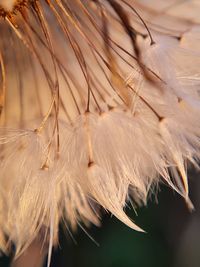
{"points": [[172, 238]]}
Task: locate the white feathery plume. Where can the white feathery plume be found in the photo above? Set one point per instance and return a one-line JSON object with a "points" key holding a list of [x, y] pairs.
{"points": [[99, 102]]}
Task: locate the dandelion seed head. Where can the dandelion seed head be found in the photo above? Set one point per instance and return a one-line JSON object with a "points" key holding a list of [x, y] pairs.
{"points": [[98, 105]]}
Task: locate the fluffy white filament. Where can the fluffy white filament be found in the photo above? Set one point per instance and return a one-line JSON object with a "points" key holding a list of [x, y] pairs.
{"points": [[118, 126]]}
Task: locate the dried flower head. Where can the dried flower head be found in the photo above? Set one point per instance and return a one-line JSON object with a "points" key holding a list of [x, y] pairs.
{"points": [[99, 101]]}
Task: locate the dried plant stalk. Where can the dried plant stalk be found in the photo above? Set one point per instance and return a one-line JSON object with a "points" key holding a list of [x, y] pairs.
{"points": [[34, 256]]}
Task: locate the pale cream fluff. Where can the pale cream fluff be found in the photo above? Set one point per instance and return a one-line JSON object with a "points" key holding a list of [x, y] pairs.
{"points": [[7, 4], [89, 121]]}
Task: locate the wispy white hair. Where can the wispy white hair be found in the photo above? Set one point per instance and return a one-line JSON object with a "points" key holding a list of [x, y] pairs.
{"points": [[99, 102]]}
